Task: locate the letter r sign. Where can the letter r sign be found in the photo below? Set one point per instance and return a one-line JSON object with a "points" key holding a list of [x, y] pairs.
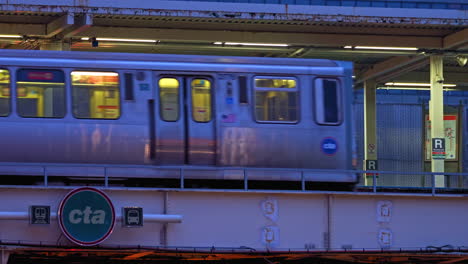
{"points": [[438, 143], [438, 148], [371, 165]]}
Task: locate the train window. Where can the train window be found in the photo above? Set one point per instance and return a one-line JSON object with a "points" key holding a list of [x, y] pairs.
{"points": [[40, 93], [169, 99], [276, 99], [4, 92], [327, 102], [201, 100], [95, 94]]}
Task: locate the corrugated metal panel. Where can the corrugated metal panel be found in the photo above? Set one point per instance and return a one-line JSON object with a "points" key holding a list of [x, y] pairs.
{"points": [[463, 145], [399, 142]]}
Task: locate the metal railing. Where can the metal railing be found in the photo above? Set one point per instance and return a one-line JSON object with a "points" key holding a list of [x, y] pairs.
{"points": [[373, 181]]}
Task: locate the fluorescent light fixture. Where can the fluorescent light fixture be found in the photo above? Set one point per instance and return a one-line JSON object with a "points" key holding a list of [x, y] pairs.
{"points": [[95, 73], [10, 36], [250, 44], [380, 48], [410, 88], [124, 40], [416, 84], [404, 88]]}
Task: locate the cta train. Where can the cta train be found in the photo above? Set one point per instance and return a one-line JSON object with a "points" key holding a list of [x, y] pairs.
{"points": [[143, 115]]}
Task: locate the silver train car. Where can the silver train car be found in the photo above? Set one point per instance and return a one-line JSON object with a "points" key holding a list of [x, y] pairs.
{"points": [[159, 112]]}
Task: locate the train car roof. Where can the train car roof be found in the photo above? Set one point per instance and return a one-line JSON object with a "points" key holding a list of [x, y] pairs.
{"points": [[79, 55]]}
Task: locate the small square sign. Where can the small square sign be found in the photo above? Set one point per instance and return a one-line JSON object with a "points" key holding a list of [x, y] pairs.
{"points": [[372, 165], [39, 215], [132, 216], [438, 148]]}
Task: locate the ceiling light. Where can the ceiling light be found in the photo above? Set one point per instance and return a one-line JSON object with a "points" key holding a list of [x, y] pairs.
{"points": [[380, 48], [416, 84], [462, 60], [410, 88], [250, 44], [404, 88], [10, 36], [125, 40]]}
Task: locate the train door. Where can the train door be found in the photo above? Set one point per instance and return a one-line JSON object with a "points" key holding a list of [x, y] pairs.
{"points": [[185, 124]]}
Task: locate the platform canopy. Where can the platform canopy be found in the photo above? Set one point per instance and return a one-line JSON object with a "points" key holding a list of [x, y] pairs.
{"points": [[300, 30]]}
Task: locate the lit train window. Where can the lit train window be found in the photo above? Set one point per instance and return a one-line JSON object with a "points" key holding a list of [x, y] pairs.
{"points": [[327, 102], [95, 94], [201, 100], [169, 99], [276, 99], [40, 93], [4, 92]]}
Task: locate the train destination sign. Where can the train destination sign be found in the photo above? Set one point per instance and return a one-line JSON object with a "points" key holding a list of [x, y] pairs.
{"points": [[86, 216]]}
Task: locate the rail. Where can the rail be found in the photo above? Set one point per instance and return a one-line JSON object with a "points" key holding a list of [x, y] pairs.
{"points": [[372, 181]]}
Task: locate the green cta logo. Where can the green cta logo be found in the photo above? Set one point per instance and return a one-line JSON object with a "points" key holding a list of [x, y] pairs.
{"points": [[86, 216]]}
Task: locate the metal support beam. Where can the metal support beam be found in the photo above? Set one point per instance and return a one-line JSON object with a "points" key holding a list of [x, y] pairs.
{"points": [[22, 29], [436, 113], [138, 255], [370, 126], [50, 44], [4, 256], [456, 40], [306, 39], [450, 76], [82, 22], [297, 53], [165, 226], [394, 66], [60, 24]]}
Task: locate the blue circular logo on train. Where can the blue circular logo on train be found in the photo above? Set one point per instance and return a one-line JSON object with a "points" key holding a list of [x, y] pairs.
{"points": [[329, 146]]}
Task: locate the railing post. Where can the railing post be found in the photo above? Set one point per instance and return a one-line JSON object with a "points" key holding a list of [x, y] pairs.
{"points": [[46, 178], [181, 172], [302, 181], [106, 178], [246, 180], [374, 182], [433, 183]]}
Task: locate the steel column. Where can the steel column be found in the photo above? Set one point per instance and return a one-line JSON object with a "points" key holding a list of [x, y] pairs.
{"points": [[436, 113], [370, 126]]}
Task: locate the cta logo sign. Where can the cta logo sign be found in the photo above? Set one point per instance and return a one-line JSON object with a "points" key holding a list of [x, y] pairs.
{"points": [[86, 216], [329, 146]]}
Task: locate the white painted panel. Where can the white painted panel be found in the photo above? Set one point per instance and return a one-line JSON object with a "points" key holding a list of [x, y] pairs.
{"points": [[415, 222], [233, 220], [430, 222]]}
